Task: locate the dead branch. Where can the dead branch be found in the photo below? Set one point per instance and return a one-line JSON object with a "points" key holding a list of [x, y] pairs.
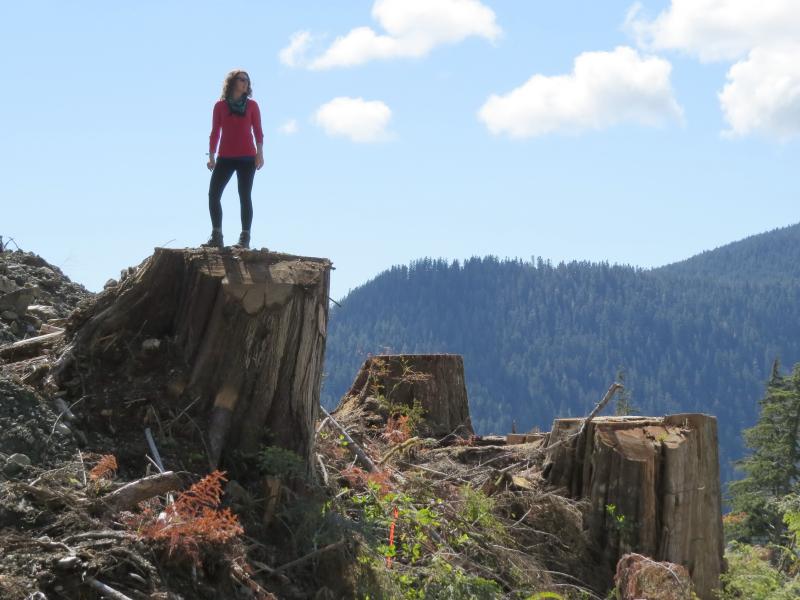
{"points": [[108, 592], [324, 470], [357, 450], [91, 535], [613, 389], [130, 494]]}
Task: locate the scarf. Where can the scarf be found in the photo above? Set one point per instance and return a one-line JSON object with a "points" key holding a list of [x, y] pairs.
{"points": [[237, 106]]}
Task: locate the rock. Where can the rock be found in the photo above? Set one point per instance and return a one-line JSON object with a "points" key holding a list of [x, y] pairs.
{"points": [[34, 322], [9, 315], [110, 284], [18, 300], [641, 577], [26, 426], [151, 345], [7, 285], [43, 311], [55, 296], [33, 260], [15, 464]]}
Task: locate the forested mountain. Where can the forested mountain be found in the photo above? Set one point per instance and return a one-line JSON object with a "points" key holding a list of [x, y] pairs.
{"points": [[770, 256], [542, 340]]}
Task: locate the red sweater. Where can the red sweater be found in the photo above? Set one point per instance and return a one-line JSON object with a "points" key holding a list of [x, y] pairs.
{"points": [[237, 131]]}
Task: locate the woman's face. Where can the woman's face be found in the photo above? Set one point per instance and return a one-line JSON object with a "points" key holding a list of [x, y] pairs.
{"points": [[242, 83]]}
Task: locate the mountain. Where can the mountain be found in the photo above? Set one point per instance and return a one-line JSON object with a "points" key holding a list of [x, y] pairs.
{"points": [[542, 340], [766, 257]]}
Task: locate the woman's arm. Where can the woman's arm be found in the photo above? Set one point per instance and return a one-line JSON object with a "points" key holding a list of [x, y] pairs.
{"points": [[259, 136], [213, 139]]}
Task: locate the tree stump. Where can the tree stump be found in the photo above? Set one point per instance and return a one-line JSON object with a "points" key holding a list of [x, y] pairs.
{"points": [[232, 339], [653, 485], [398, 383]]}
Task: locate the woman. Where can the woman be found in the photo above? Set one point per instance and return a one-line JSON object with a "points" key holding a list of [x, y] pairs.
{"points": [[236, 116]]}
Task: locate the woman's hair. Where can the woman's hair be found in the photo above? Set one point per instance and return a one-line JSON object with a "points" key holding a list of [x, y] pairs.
{"points": [[230, 80]]}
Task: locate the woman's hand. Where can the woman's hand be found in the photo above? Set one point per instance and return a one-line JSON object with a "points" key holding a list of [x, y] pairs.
{"points": [[259, 160], [211, 163]]}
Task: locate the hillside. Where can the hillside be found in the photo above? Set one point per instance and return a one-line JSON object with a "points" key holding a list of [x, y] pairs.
{"points": [[766, 257], [542, 340]]}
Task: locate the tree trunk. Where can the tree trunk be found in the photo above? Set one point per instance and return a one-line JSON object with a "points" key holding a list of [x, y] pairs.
{"points": [[232, 339], [653, 485], [396, 384]]}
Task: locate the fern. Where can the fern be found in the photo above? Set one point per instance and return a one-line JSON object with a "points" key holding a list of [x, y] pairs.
{"points": [[105, 468], [194, 520]]}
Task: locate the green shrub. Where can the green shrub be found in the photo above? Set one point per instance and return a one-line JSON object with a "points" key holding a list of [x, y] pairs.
{"points": [[751, 576]]}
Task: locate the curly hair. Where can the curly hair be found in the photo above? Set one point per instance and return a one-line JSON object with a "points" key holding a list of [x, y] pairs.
{"points": [[230, 79]]}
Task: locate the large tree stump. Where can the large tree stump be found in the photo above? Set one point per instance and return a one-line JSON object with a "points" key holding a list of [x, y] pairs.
{"points": [[653, 484], [434, 383], [234, 339]]}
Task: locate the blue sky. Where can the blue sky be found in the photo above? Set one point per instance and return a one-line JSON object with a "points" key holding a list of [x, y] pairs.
{"points": [[106, 111]]}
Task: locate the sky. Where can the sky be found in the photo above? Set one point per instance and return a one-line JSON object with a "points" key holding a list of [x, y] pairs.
{"points": [[635, 133]]}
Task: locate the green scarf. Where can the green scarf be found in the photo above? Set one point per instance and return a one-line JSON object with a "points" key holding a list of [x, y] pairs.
{"points": [[237, 106]]}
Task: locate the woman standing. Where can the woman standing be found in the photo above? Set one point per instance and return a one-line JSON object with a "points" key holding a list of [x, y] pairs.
{"points": [[236, 117]]}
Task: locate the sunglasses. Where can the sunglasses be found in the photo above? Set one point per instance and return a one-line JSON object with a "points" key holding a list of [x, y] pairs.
{"points": [[245, 79]]}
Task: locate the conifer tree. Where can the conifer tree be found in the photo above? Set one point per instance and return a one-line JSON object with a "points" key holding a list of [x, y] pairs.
{"points": [[624, 405], [771, 470]]}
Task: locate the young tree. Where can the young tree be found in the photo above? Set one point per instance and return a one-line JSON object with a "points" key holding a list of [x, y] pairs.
{"points": [[624, 405], [772, 470]]}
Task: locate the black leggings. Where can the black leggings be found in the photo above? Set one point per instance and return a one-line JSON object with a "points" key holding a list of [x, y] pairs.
{"points": [[223, 171]]}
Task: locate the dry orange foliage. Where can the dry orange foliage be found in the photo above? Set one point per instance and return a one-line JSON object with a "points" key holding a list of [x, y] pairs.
{"points": [[398, 429], [359, 478], [105, 468], [193, 519]]}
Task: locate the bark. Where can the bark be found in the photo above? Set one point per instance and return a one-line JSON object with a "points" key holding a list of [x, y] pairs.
{"points": [[395, 383], [238, 335], [129, 495], [660, 475]]}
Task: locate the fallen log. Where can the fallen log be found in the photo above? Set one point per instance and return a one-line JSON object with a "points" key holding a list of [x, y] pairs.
{"points": [[29, 347]]}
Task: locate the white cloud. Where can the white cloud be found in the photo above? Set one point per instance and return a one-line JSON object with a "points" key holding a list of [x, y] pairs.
{"points": [[605, 88], [294, 54], [412, 29], [762, 95], [289, 127], [355, 118], [717, 29]]}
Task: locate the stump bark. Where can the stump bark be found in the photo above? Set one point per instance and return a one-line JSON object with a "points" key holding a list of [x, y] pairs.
{"points": [[434, 383], [653, 485], [234, 339]]}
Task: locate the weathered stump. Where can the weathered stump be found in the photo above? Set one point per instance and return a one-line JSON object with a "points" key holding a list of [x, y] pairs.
{"points": [[653, 484], [641, 577], [433, 383], [234, 339]]}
